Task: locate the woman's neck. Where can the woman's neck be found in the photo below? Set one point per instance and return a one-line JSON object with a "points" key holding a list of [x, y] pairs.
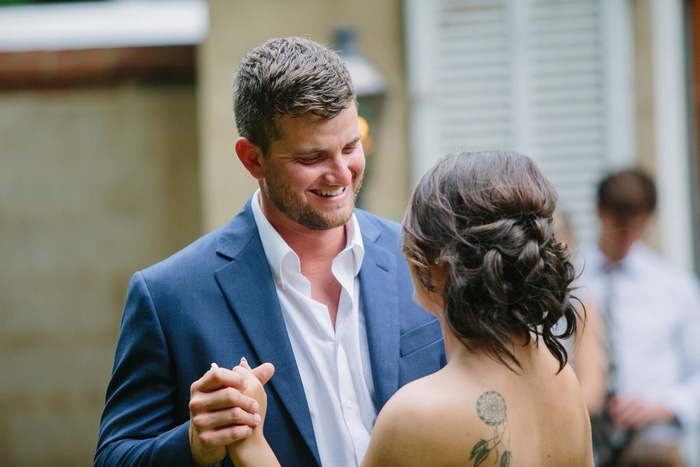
{"points": [[457, 352]]}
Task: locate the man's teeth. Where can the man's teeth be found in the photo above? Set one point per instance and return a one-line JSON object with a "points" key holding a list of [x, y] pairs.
{"points": [[330, 193]]}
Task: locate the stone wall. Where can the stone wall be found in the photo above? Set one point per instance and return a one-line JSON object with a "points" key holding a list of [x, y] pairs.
{"points": [[95, 183]]}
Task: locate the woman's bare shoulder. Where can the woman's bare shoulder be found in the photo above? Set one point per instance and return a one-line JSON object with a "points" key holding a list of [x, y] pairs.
{"points": [[419, 402], [419, 426], [444, 419]]}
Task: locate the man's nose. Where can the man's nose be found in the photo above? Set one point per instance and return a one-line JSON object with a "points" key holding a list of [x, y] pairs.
{"points": [[339, 171]]}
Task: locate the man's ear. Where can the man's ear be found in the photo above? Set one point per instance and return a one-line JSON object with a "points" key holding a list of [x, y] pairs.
{"points": [[251, 157]]}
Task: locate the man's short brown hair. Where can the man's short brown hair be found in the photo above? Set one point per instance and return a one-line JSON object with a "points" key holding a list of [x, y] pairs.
{"points": [[627, 194], [288, 76]]}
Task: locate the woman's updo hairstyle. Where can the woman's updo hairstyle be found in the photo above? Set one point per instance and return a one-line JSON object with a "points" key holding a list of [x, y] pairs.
{"points": [[483, 222]]}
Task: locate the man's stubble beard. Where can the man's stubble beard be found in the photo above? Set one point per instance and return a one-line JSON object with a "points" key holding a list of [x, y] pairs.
{"points": [[288, 202]]}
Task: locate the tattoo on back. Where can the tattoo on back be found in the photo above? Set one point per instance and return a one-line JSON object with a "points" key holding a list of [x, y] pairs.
{"points": [[491, 408]]}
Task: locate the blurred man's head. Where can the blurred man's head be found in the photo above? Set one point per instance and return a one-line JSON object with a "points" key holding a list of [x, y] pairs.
{"points": [[626, 200]]}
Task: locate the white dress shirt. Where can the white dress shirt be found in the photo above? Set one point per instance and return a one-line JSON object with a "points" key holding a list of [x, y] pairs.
{"points": [[333, 363], [655, 321]]}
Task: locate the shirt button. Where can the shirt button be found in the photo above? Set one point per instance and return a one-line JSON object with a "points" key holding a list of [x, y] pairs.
{"points": [[349, 404]]}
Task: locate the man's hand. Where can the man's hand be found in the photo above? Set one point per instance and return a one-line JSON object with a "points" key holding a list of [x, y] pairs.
{"points": [[219, 414], [629, 412]]}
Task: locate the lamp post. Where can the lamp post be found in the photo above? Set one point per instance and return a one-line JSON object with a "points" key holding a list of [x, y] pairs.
{"points": [[370, 89]]}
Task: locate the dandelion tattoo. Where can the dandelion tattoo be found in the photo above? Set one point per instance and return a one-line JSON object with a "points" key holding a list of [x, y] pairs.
{"points": [[491, 408]]}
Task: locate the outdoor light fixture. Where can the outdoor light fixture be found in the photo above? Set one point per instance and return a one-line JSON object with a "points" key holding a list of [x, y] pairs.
{"points": [[368, 81], [370, 88]]}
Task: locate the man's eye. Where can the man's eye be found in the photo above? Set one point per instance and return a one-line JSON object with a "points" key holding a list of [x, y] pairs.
{"points": [[310, 160]]}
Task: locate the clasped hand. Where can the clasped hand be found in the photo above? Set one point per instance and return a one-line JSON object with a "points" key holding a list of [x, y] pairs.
{"points": [[631, 413], [226, 406]]}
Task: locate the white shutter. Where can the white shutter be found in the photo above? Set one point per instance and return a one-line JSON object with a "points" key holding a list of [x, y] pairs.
{"points": [[525, 75], [567, 87], [459, 77]]}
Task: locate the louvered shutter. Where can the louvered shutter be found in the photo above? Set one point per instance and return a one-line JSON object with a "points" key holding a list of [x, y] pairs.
{"points": [[524, 75]]}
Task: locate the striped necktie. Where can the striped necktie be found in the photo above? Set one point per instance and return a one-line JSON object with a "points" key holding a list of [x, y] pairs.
{"points": [[608, 440]]}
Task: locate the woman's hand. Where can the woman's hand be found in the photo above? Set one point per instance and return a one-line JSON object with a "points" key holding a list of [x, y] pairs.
{"points": [[254, 450], [256, 380], [220, 413]]}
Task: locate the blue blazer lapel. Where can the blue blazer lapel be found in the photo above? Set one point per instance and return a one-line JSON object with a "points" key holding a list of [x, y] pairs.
{"points": [[249, 288], [380, 302]]}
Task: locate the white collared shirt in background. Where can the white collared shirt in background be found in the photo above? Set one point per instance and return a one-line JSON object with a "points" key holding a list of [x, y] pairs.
{"points": [[333, 363], [655, 320]]}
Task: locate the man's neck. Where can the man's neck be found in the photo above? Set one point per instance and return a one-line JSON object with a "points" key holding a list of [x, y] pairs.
{"points": [[313, 246]]}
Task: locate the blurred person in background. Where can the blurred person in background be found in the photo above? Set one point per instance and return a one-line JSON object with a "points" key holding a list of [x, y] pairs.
{"points": [[586, 348], [651, 317], [299, 278]]}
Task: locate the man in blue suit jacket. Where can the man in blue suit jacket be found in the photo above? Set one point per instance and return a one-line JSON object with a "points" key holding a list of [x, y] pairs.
{"points": [[223, 297]]}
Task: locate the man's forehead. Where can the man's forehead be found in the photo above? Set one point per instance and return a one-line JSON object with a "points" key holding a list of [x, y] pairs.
{"points": [[309, 116], [286, 122], [629, 220], [282, 120]]}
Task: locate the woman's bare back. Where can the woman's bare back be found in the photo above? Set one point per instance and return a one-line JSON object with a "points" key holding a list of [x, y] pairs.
{"points": [[477, 412]]}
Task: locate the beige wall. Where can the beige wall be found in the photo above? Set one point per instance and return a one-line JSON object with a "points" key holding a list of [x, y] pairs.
{"points": [[644, 103], [94, 184], [236, 27]]}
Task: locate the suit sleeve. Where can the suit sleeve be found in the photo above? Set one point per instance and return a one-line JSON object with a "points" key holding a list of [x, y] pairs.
{"points": [[140, 423]]}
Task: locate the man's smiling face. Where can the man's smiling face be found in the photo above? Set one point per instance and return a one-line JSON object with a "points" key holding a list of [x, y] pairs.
{"points": [[313, 173]]}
